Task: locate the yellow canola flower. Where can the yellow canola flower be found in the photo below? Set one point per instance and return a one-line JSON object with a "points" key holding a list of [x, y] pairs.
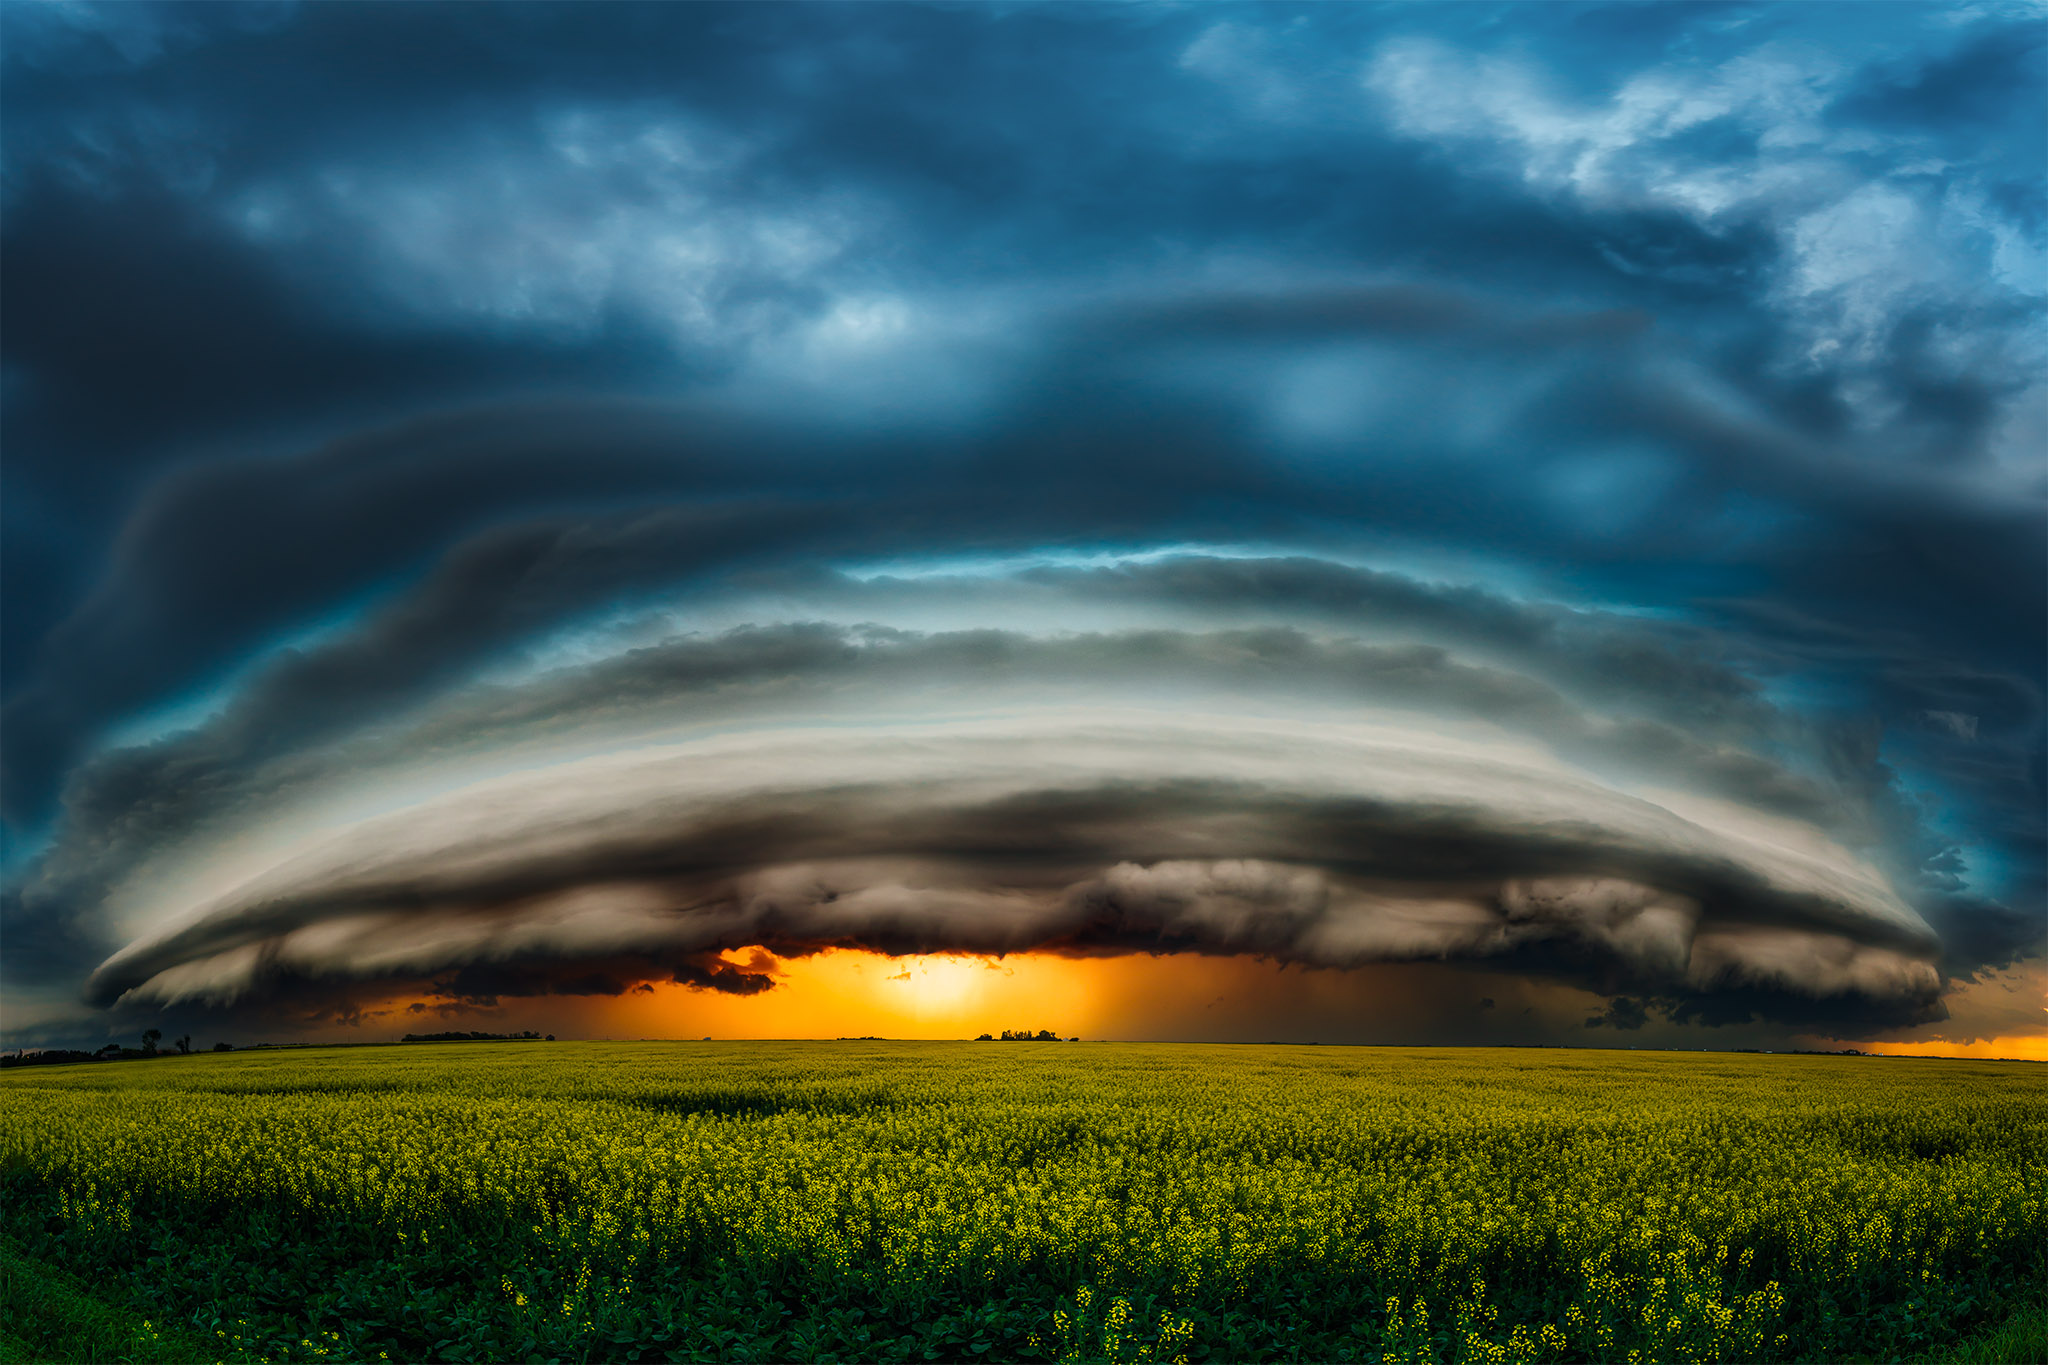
{"points": [[1195, 1175]]}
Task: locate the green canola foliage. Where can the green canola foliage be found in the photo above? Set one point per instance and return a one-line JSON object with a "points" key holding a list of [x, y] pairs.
{"points": [[935, 1201]]}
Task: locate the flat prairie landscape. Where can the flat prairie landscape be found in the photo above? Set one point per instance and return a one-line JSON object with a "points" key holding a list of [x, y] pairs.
{"points": [[968, 1201]]}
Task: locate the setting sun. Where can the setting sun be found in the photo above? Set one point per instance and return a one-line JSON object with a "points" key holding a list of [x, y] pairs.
{"points": [[845, 993]]}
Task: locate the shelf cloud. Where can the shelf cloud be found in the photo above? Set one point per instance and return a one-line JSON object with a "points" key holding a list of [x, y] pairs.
{"points": [[1347, 845]]}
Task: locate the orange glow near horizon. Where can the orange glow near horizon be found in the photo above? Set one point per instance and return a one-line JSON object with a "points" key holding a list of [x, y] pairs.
{"points": [[842, 993], [1156, 998], [1999, 1014], [2020, 1049], [845, 993], [1141, 997]]}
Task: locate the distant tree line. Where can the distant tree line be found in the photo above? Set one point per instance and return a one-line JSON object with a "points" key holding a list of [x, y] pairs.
{"points": [[1044, 1035], [112, 1052]]}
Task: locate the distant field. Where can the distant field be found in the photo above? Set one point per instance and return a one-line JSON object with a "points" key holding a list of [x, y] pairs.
{"points": [[950, 1201]]}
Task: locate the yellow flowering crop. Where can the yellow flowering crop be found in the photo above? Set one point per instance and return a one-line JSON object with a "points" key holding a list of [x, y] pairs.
{"points": [[1091, 1201]]}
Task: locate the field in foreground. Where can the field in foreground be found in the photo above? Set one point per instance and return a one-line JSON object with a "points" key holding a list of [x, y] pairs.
{"points": [[941, 1201]]}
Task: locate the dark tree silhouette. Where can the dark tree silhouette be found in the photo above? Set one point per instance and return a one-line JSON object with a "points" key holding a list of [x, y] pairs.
{"points": [[149, 1040]]}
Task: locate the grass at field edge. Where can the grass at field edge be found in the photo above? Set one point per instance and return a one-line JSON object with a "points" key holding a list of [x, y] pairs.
{"points": [[46, 1315], [2021, 1339]]}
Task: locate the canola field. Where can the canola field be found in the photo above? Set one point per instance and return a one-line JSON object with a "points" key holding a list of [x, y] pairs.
{"points": [[1075, 1201]]}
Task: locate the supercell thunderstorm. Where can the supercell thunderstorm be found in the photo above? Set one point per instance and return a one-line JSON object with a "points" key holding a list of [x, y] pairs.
{"points": [[1331, 492]]}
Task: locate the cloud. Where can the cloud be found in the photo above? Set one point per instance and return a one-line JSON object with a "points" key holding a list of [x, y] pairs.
{"points": [[1349, 847], [1958, 723], [1637, 701], [1889, 248], [290, 734], [225, 555], [1623, 1013], [1641, 397]]}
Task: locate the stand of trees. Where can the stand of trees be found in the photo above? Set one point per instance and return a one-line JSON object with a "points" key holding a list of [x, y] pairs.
{"points": [[48, 1057], [112, 1052], [1044, 1035]]}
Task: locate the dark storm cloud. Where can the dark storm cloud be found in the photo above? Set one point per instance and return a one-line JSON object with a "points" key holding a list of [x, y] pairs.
{"points": [[911, 110], [356, 356], [1980, 87], [504, 585], [222, 556], [1622, 1013], [293, 730], [481, 984], [1676, 669], [924, 866], [1349, 311], [226, 554]]}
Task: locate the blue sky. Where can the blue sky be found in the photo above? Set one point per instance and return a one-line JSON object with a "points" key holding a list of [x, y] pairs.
{"points": [[1644, 400]]}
